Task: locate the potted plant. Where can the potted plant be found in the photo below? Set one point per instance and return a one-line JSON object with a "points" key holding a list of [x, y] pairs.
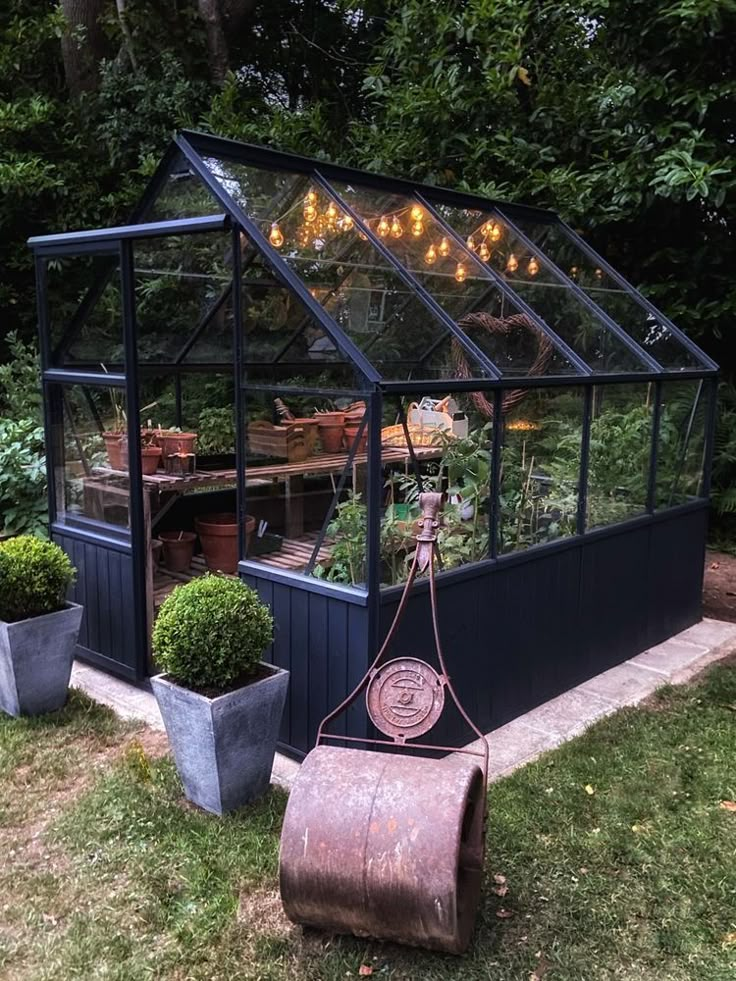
{"points": [[216, 441], [38, 627], [331, 428], [220, 703], [115, 436], [178, 549], [218, 535]]}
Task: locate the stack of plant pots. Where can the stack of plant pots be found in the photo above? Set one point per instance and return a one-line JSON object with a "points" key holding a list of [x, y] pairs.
{"points": [[331, 430], [353, 419]]}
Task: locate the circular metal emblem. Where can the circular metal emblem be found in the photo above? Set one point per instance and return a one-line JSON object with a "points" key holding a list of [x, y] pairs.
{"points": [[405, 698]]}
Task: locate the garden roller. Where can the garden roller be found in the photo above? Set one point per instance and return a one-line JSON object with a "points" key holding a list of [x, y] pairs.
{"points": [[388, 841]]}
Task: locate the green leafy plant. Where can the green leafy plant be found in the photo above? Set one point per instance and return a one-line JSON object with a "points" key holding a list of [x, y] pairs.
{"points": [[348, 529], [216, 431], [211, 633], [20, 385], [34, 578], [23, 504]]}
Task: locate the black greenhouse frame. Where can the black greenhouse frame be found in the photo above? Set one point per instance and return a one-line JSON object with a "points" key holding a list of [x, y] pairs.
{"points": [[519, 625]]}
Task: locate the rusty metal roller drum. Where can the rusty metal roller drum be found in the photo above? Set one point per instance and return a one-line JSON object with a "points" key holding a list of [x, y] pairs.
{"points": [[385, 845]]}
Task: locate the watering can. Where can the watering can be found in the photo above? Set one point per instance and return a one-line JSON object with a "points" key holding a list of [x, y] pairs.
{"points": [[382, 842]]}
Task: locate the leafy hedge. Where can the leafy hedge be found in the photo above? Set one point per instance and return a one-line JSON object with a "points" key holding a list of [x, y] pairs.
{"points": [[34, 578]]}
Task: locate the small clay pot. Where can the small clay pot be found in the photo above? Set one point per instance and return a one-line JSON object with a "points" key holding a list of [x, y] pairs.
{"points": [[331, 427], [150, 457], [171, 443], [351, 431], [218, 534], [114, 447], [178, 549]]}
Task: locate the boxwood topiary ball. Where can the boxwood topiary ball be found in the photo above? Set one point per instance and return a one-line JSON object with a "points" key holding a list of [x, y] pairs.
{"points": [[34, 578], [211, 632]]}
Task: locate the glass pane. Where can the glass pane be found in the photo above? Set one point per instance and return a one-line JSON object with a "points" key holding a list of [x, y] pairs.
{"points": [[681, 444], [90, 454], [184, 195], [305, 502], [540, 469], [451, 443], [533, 279], [620, 451], [180, 283], [85, 311], [355, 284], [610, 295], [462, 287]]}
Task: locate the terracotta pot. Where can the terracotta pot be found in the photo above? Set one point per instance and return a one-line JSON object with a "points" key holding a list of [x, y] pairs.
{"points": [[331, 426], [114, 447], [351, 431], [218, 534], [171, 443], [178, 549], [150, 457]]}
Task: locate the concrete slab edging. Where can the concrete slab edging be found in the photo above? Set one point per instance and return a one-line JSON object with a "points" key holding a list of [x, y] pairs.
{"points": [[517, 743]]}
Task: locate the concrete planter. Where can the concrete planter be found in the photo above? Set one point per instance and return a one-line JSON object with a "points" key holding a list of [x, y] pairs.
{"points": [[224, 747], [36, 661]]}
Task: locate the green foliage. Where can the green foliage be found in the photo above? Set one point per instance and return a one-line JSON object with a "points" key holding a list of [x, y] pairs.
{"points": [[20, 381], [348, 530], [34, 578], [216, 431], [23, 504], [211, 632]]}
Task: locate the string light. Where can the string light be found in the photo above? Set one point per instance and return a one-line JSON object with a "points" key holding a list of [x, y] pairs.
{"points": [[311, 197], [417, 227], [310, 213], [599, 274], [495, 232], [513, 263], [430, 256], [444, 247], [533, 267], [396, 230], [332, 212], [276, 237], [416, 213], [460, 273], [574, 272], [383, 227], [347, 223], [470, 242], [484, 252]]}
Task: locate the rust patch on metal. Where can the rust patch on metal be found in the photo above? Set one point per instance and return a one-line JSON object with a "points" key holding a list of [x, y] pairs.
{"points": [[405, 698]]}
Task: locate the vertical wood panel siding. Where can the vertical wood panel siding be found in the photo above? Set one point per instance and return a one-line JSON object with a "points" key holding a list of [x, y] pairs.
{"points": [[323, 642], [104, 587]]}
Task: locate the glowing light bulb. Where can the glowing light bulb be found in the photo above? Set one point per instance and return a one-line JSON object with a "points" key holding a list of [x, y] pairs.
{"points": [[484, 252], [430, 255], [332, 212], [460, 273], [444, 247], [599, 274], [417, 228], [347, 223], [533, 267], [495, 231], [416, 213], [383, 227], [396, 230], [311, 197], [513, 263], [275, 236], [310, 213], [574, 272], [470, 242]]}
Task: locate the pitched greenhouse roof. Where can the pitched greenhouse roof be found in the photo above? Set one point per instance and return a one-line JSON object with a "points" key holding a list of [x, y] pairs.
{"points": [[407, 282]]}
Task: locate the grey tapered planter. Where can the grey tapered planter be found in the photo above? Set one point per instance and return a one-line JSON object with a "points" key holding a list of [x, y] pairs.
{"points": [[224, 746], [36, 661]]}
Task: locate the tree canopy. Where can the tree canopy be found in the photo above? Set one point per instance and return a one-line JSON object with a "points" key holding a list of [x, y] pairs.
{"points": [[620, 114]]}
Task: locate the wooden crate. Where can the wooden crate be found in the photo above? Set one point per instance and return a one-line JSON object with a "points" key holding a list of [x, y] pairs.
{"points": [[292, 441]]}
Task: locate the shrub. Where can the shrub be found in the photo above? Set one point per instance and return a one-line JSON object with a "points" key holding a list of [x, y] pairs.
{"points": [[23, 503], [34, 578], [211, 632]]}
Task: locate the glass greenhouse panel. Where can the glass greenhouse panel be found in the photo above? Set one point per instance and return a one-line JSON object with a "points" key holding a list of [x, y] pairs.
{"points": [[306, 498], [681, 442], [610, 295], [450, 452], [85, 311], [182, 293], [183, 195], [620, 452], [533, 279], [91, 455], [458, 283], [540, 466]]}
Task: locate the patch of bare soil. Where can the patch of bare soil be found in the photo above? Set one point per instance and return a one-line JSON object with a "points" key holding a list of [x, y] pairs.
{"points": [[260, 911], [719, 586]]}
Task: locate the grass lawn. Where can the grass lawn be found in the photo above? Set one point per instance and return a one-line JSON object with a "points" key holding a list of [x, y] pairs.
{"points": [[618, 854]]}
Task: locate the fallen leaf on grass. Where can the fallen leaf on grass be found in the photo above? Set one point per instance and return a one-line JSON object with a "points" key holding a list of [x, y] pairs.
{"points": [[504, 914], [715, 565], [365, 970], [728, 805], [541, 969], [499, 879], [589, 789], [500, 890], [729, 939]]}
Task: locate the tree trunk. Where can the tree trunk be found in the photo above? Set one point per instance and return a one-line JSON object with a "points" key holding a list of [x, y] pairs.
{"points": [[211, 14], [82, 44]]}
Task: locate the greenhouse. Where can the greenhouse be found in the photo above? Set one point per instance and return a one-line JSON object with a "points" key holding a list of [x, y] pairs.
{"points": [[260, 373]]}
